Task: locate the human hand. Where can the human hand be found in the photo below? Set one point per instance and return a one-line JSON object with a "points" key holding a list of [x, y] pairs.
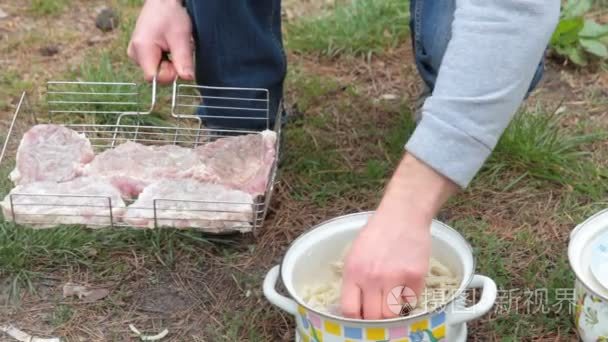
{"points": [[393, 249], [391, 252], [163, 26]]}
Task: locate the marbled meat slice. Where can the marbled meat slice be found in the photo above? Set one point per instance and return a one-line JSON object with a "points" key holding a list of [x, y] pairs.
{"points": [[132, 166], [241, 162], [51, 153], [187, 203], [82, 201]]}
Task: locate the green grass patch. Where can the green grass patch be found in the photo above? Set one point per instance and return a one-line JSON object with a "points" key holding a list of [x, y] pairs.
{"points": [[362, 27], [27, 253], [322, 164], [238, 326], [13, 83], [107, 100], [24, 252], [531, 302], [48, 7], [535, 147], [130, 3], [61, 315], [311, 89]]}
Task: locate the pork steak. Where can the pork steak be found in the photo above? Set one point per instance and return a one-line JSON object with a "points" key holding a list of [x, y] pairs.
{"points": [[51, 153], [82, 201], [187, 203], [131, 166], [240, 162]]}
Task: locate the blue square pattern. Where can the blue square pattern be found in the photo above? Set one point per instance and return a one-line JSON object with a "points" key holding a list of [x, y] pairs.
{"points": [[437, 320], [350, 332], [304, 322]]}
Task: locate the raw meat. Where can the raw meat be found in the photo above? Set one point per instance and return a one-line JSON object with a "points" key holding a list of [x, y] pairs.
{"points": [[51, 153], [47, 204], [187, 203], [241, 162], [132, 166]]}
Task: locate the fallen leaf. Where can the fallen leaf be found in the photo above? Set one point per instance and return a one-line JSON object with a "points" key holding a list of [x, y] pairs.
{"points": [[83, 293]]}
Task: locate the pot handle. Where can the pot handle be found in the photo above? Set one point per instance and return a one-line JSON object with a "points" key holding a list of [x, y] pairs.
{"points": [[270, 292], [460, 315]]}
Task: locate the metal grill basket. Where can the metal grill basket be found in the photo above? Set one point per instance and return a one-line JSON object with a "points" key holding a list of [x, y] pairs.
{"points": [[110, 113]]}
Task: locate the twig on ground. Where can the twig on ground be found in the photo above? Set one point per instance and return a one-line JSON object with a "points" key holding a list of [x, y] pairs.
{"points": [[156, 337], [23, 336]]}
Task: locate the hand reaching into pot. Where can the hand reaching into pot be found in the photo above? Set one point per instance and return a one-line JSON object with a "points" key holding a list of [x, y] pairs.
{"points": [[392, 252]]}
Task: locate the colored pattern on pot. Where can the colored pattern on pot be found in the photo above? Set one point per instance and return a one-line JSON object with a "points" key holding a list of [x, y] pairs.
{"points": [[314, 328], [590, 316]]}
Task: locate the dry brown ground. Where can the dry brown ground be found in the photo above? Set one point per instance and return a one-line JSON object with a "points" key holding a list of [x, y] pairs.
{"points": [[213, 293]]}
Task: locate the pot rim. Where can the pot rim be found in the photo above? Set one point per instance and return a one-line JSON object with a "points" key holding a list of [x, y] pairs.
{"points": [[438, 309], [577, 274]]}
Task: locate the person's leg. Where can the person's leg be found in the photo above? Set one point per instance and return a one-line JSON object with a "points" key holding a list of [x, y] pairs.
{"points": [[238, 44], [431, 31]]}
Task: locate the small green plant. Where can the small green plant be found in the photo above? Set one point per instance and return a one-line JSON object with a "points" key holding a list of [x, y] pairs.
{"points": [[578, 39], [61, 315]]}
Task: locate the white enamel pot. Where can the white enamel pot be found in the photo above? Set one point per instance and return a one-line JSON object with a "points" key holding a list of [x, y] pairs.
{"points": [[308, 256], [591, 308]]}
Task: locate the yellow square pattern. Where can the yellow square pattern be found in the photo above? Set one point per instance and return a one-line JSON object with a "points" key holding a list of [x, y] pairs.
{"points": [[304, 337], [317, 336], [375, 333], [421, 325], [333, 328], [301, 310], [403, 340], [439, 332]]}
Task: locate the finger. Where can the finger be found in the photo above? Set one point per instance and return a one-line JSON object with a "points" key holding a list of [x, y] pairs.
{"points": [[399, 300], [166, 73], [417, 284], [350, 301], [181, 54], [372, 303], [392, 303], [147, 57]]}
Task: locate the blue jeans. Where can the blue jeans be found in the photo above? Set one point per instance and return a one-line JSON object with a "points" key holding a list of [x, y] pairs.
{"points": [[431, 31], [239, 44]]}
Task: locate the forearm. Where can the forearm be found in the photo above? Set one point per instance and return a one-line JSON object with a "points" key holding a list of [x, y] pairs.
{"points": [[486, 71], [416, 191]]}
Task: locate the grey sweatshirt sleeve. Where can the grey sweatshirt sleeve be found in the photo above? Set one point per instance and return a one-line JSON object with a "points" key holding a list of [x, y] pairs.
{"points": [[488, 66]]}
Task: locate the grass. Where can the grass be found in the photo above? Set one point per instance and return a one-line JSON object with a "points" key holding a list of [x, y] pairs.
{"points": [[362, 28], [339, 152], [320, 162], [108, 97], [61, 315], [48, 7], [534, 146], [529, 296], [26, 254]]}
